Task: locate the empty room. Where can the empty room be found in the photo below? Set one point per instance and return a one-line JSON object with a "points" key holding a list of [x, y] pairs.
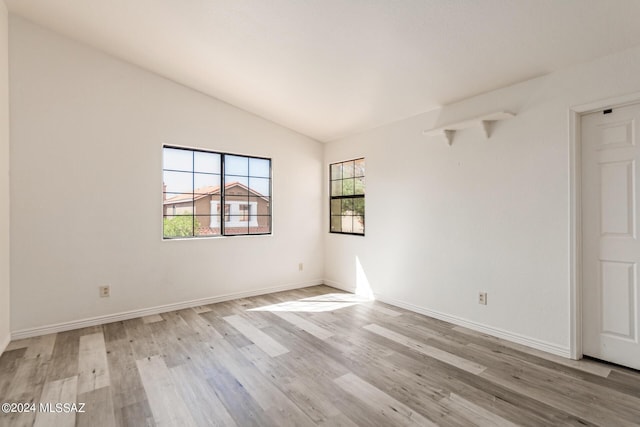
{"points": [[319, 213]]}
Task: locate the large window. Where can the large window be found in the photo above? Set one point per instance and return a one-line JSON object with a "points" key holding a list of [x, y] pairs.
{"points": [[214, 194], [347, 197]]}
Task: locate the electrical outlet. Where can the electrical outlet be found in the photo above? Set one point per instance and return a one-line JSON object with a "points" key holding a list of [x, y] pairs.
{"points": [[300, 267], [105, 291], [482, 298]]}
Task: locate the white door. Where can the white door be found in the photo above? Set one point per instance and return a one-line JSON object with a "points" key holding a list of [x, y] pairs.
{"points": [[610, 245]]}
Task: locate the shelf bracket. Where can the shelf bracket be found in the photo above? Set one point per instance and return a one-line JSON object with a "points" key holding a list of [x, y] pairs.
{"points": [[486, 126], [485, 122], [449, 134]]}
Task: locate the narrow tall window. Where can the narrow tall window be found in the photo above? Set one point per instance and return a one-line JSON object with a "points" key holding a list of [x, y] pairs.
{"points": [[347, 185], [207, 193]]}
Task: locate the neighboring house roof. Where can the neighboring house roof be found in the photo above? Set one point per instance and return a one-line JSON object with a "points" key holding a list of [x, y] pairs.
{"points": [[201, 192]]}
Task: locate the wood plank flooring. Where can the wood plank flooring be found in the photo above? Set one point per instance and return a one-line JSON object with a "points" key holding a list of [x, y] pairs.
{"points": [[309, 357]]}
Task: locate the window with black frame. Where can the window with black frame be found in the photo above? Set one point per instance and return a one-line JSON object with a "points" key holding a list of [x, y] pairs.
{"points": [[347, 187], [207, 194]]}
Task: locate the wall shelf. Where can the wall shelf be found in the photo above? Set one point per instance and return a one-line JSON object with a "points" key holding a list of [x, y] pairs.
{"points": [[485, 122]]}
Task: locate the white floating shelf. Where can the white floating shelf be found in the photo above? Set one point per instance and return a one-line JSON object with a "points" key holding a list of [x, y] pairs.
{"points": [[485, 122]]}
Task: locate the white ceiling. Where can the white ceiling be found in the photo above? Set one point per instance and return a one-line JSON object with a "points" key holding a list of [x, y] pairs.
{"points": [[331, 68]]}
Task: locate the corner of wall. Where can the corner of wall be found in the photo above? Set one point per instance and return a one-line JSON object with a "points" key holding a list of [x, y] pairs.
{"points": [[5, 317], [4, 343]]}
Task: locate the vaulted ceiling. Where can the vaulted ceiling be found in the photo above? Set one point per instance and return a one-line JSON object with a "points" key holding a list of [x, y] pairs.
{"points": [[331, 68]]}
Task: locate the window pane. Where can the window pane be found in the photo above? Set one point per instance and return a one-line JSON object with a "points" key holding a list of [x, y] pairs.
{"points": [[359, 186], [264, 225], [336, 171], [206, 184], [215, 217], [335, 207], [336, 188], [232, 187], [236, 165], [336, 223], [347, 223], [260, 186], [177, 182], [178, 226], [260, 205], [347, 187], [359, 168], [358, 206], [176, 159], [347, 169], [206, 162], [207, 225], [358, 224], [259, 167], [177, 204], [347, 207], [235, 226]]}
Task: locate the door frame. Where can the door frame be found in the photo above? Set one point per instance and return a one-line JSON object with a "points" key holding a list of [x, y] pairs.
{"points": [[575, 210]]}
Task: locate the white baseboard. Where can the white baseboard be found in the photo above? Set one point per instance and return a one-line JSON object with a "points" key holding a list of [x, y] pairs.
{"points": [[459, 321], [340, 286], [126, 315], [100, 320]]}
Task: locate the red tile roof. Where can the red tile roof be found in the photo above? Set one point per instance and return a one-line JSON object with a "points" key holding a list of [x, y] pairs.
{"points": [[201, 192]]}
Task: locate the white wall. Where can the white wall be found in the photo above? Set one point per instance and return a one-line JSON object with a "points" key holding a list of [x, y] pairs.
{"points": [[4, 178], [87, 132], [494, 215]]}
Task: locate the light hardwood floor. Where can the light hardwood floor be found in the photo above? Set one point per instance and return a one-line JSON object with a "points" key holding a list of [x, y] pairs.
{"points": [[313, 356]]}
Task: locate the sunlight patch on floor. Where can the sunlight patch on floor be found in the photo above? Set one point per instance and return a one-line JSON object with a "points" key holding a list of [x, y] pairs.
{"points": [[316, 304]]}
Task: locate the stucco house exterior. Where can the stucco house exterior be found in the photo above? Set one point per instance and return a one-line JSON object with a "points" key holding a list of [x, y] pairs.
{"points": [[245, 210]]}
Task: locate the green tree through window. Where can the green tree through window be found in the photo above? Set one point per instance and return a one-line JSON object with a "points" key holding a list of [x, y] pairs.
{"points": [[180, 226]]}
